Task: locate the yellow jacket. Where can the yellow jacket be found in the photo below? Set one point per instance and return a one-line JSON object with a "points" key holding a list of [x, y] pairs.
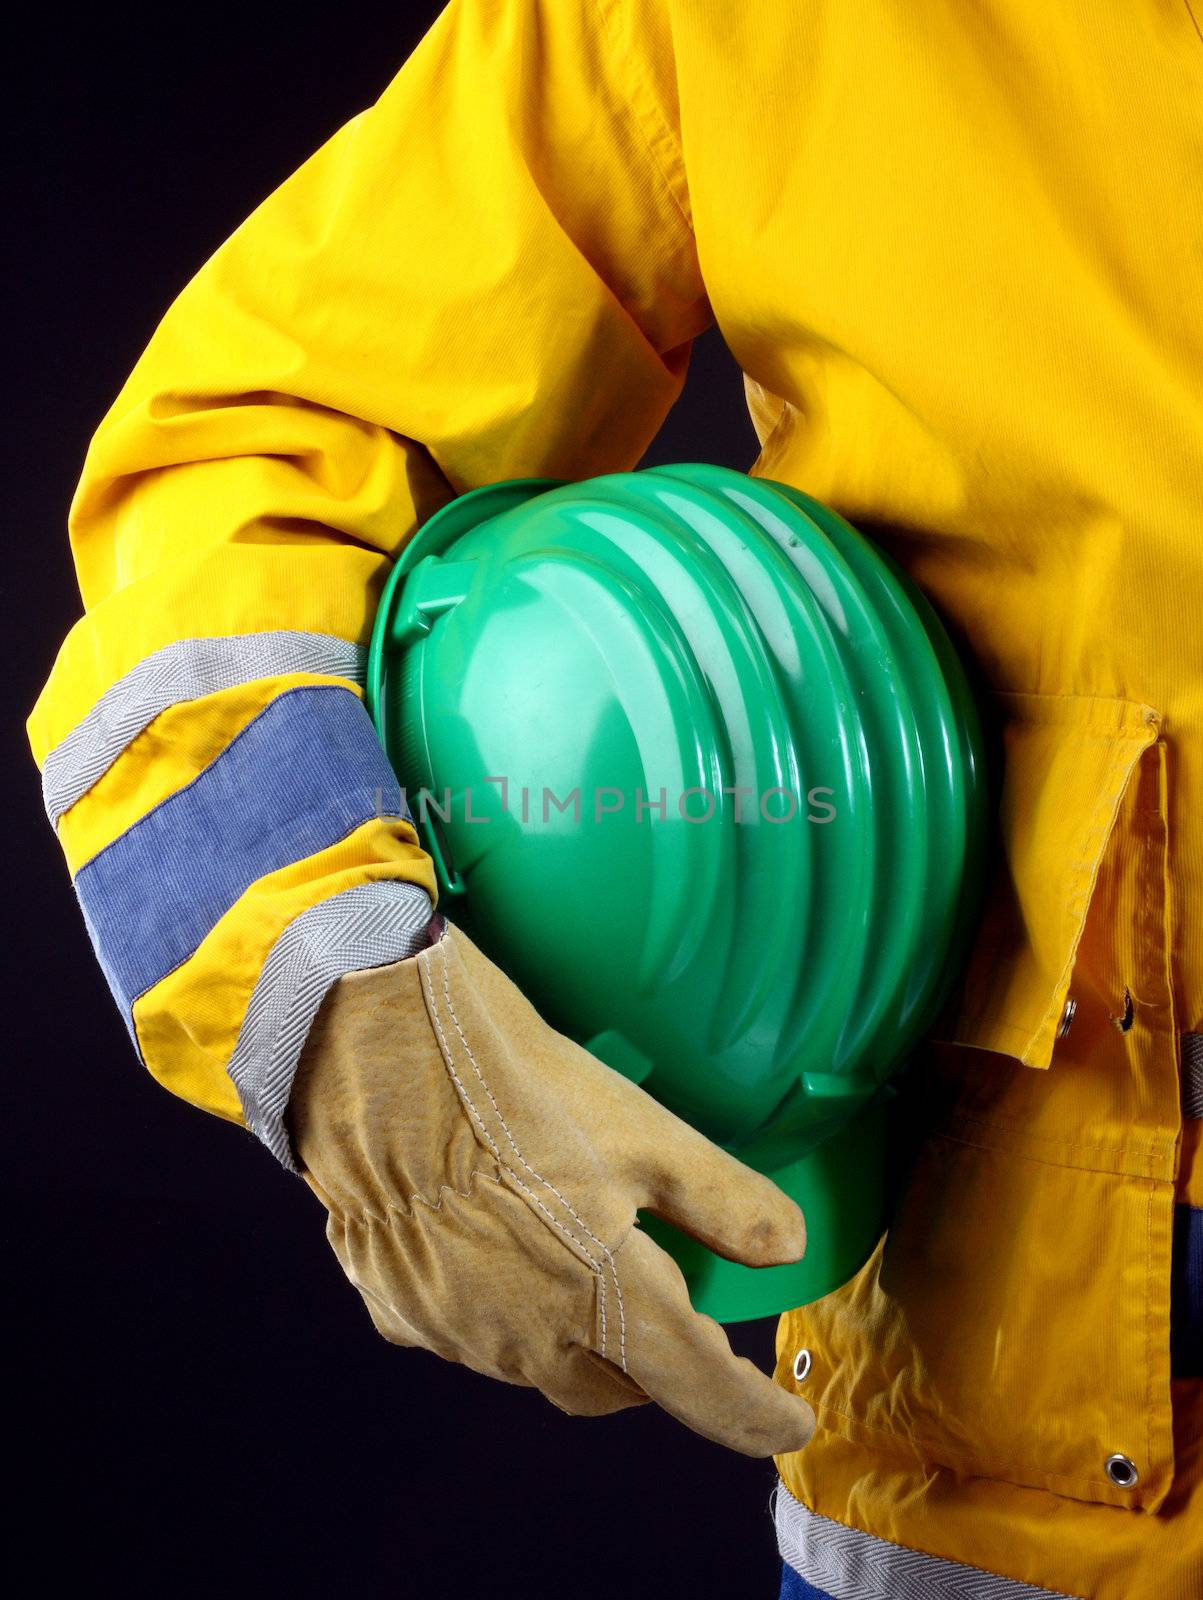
{"points": [[958, 252]]}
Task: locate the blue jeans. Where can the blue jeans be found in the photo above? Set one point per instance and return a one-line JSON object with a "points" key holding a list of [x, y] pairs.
{"points": [[795, 1587]]}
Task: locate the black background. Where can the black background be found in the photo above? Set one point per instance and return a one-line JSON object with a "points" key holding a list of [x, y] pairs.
{"points": [[202, 1404]]}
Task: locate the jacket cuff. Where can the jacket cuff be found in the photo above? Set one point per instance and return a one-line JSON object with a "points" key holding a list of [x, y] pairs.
{"points": [[370, 925]]}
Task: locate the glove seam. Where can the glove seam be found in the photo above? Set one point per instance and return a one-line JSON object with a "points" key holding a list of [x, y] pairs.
{"points": [[364, 1218], [594, 1265], [365, 1215], [597, 1268]]}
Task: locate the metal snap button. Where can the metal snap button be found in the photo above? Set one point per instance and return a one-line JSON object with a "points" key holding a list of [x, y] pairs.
{"points": [[1121, 1470], [1067, 1018], [801, 1366]]}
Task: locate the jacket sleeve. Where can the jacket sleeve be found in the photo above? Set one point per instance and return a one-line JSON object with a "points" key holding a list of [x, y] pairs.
{"points": [[488, 273]]}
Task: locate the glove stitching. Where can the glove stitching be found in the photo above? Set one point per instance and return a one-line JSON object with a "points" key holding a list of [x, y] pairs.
{"points": [[622, 1336], [537, 1176], [364, 1217], [466, 1098], [595, 1266], [364, 1214]]}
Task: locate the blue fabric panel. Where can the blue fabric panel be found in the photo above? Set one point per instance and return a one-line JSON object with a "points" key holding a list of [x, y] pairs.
{"points": [[1186, 1297], [301, 775], [795, 1587]]}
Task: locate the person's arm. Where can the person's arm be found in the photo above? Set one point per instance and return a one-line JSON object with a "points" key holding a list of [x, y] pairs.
{"points": [[489, 273]]}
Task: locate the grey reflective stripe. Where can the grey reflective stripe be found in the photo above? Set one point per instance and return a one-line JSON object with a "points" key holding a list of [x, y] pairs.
{"points": [[184, 670], [850, 1565], [1192, 1074], [367, 926]]}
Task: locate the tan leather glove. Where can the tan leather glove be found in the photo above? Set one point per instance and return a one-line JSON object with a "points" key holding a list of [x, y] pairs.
{"points": [[482, 1174]]}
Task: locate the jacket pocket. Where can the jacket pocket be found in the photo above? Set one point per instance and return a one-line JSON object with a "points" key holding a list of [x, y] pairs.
{"points": [[1065, 764], [1014, 1323]]}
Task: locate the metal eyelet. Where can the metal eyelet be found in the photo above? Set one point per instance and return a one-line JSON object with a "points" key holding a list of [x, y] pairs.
{"points": [[1121, 1470], [1067, 1018], [801, 1366]]}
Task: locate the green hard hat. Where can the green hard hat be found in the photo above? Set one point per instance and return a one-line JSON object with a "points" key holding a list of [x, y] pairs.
{"points": [[699, 768]]}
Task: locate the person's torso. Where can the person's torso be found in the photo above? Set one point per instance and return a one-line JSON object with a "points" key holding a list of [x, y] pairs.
{"points": [[958, 252]]}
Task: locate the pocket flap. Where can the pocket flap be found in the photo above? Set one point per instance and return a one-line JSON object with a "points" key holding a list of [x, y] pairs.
{"points": [[1065, 763]]}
